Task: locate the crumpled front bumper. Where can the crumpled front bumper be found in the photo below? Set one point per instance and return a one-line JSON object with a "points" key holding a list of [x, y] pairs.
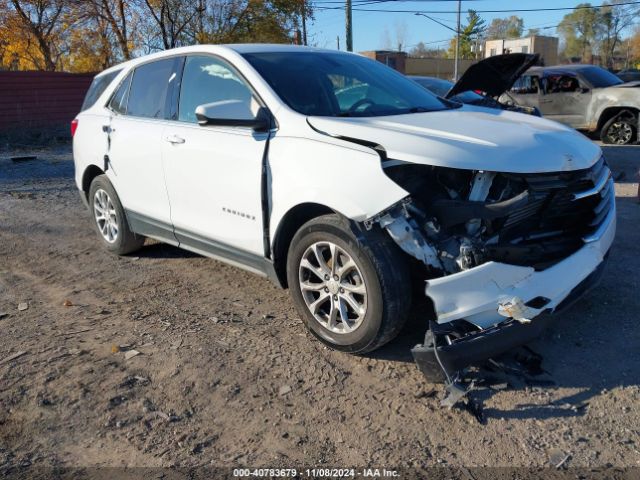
{"points": [[482, 294]]}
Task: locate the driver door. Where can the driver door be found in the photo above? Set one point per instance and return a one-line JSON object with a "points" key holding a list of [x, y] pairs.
{"points": [[565, 100], [213, 173]]}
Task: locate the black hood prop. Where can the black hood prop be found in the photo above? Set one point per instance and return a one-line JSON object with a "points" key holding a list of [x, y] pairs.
{"points": [[494, 75]]}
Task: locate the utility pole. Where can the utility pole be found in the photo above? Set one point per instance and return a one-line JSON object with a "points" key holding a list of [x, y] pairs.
{"points": [[349, 26], [304, 22], [455, 71], [338, 41]]}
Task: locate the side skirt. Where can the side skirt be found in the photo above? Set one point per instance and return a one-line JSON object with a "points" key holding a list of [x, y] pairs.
{"points": [[193, 242]]}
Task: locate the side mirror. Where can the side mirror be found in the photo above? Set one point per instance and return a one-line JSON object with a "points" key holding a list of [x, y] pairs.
{"points": [[232, 113]]}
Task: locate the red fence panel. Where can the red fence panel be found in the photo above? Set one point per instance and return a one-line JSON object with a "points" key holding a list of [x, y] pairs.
{"points": [[32, 100]]}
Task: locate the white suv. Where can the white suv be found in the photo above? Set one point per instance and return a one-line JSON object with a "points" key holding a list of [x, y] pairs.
{"points": [[340, 178]]}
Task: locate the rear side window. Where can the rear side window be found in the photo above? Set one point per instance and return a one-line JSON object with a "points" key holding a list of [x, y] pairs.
{"points": [[118, 102], [97, 88], [149, 87]]}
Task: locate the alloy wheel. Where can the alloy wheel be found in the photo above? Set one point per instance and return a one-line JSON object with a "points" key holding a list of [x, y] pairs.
{"points": [[333, 287], [620, 133], [105, 215]]}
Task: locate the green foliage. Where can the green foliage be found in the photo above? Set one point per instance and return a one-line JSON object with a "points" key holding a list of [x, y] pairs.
{"points": [[90, 35], [470, 34], [504, 28], [596, 31], [580, 30]]}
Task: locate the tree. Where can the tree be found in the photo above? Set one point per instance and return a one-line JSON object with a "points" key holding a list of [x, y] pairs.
{"points": [[112, 18], [243, 21], [634, 46], [470, 35], [614, 19], [400, 38], [580, 30], [503, 28], [90, 35], [421, 50], [34, 32], [173, 19]]}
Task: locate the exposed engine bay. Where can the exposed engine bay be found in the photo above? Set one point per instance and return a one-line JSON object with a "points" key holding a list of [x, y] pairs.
{"points": [[495, 246], [455, 220]]}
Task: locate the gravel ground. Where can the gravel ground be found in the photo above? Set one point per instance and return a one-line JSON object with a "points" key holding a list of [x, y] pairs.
{"points": [[227, 375]]}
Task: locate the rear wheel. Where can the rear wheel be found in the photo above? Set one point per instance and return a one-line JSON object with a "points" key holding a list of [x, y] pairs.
{"points": [[109, 218], [620, 130], [351, 288]]}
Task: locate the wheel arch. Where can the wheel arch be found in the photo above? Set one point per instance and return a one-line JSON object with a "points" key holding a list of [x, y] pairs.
{"points": [[91, 172], [291, 222], [610, 112]]}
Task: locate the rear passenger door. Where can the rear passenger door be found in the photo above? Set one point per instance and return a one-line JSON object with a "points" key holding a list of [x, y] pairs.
{"points": [[139, 109], [214, 173]]}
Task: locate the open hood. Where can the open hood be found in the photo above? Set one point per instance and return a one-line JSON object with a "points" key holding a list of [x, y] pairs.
{"points": [[494, 75]]}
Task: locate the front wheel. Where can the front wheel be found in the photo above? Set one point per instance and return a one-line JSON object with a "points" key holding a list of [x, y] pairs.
{"points": [[351, 287], [620, 130], [109, 218]]}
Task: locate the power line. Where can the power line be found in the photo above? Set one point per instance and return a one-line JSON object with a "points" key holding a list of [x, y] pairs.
{"points": [[556, 9], [363, 2]]}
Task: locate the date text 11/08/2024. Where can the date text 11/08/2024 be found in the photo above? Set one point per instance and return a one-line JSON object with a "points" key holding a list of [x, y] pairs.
{"points": [[316, 472]]}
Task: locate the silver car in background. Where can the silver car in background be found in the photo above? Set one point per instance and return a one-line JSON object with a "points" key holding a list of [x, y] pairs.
{"points": [[585, 97]]}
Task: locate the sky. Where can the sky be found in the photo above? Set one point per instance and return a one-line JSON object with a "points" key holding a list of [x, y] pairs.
{"points": [[369, 27]]}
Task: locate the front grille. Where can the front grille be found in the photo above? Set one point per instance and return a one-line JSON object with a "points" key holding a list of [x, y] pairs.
{"points": [[563, 211]]}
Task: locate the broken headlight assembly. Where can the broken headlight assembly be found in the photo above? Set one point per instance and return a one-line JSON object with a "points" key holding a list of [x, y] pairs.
{"points": [[454, 221]]}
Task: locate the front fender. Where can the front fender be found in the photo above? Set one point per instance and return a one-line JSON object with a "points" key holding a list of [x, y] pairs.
{"points": [[348, 178], [618, 98]]}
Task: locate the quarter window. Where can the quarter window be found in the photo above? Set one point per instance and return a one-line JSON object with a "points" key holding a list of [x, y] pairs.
{"points": [[98, 86], [208, 80], [149, 87], [118, 102]]}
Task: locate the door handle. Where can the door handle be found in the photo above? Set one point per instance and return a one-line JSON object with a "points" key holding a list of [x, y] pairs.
{"points": [[174, 139], [108, 129]]}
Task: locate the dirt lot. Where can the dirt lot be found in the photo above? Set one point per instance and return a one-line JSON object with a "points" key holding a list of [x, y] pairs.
{"points": [[227, 375]]}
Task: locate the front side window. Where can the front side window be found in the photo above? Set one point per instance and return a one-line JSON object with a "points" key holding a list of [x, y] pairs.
{"points": [[205, 80], [526, 84], [562, 84], [338, 84], [149, 87]]}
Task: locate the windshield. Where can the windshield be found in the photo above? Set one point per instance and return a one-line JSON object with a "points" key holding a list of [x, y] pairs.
{"points": [[600, 78], [436, 85], [468, 97], [339, 84]]}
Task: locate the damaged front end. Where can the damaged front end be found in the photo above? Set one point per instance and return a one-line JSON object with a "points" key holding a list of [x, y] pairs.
{"points": [[499, 252]]}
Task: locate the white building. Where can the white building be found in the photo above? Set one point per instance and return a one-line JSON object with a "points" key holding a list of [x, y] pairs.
{"points": [[547, 47]]}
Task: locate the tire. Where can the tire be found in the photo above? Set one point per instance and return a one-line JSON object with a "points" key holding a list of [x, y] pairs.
{"points": [[622, 129], [112, 228], [378, 268]]}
